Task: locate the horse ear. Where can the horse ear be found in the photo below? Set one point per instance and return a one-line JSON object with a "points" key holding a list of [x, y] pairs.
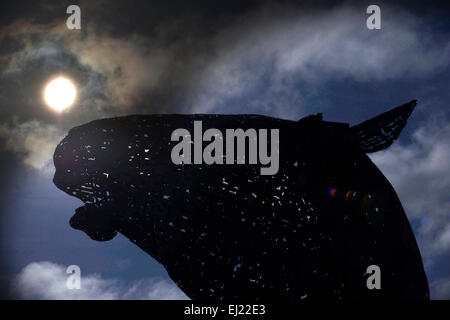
{"points": [[381, 131]]}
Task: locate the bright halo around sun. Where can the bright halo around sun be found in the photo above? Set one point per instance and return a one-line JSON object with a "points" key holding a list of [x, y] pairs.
{"points": [[60, 94]]}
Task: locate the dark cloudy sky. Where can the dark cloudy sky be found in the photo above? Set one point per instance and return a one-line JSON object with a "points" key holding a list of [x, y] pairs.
{"points": [[286, 59]]}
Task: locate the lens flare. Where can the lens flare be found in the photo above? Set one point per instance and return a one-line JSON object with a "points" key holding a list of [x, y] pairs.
{"points": [[348, 195], [333, 192]]}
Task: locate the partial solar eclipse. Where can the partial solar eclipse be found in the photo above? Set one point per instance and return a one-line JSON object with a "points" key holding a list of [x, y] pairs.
{"points": [[60, 93]]}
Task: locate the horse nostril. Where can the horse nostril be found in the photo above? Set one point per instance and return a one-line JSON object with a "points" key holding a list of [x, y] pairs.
{"points": [[74, 223], [95, 222]]}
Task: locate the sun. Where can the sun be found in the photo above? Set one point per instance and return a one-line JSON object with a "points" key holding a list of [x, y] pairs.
{"points": [[60, 93]]}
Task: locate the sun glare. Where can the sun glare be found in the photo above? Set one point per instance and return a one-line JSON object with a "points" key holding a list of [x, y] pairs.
{"points": [[60, 94]]}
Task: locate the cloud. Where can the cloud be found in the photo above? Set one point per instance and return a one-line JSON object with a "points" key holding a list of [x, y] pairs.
{"points": [[34, 140], [132, 67], [253, 59], [47, 281], [440, 289], [279, 48], [419, 172], [271, 60]]}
